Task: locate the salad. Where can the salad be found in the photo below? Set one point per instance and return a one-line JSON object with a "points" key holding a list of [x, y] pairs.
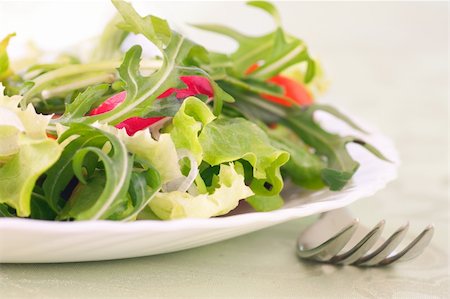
{"points": [[188, 133]]}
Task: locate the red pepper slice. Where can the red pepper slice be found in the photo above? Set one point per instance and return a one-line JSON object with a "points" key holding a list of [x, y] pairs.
{"points": [[195, 85], [292, 89]]}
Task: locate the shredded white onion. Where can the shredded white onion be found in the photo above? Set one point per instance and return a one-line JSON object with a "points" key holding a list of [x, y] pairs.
{"points": [[157, 126], [183, 184]]}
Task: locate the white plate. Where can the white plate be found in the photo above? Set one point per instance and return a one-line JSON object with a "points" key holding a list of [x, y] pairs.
{"points": [[36, 241]]}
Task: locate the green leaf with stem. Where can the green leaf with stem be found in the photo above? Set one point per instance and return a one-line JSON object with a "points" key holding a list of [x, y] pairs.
{"points": [[143, 187], [117, 165]]}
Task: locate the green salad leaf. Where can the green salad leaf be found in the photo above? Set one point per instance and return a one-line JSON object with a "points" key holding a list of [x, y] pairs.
{"points": [[226, 140], [175, 205], [276, 51], [160, 154], [143, 188], [187, 123], [6, 211], [19, 175], [340, 166], [304, 167], [25, 152], [143, 90], [78, 160]]}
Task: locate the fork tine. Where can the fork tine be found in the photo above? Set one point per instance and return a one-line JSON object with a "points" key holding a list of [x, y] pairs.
{"points": [[364, 245], [414, 249], [330, 247], [385, 249]]}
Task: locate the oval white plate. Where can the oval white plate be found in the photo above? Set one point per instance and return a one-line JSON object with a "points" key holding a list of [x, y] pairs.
{"points": [[36, 241]]}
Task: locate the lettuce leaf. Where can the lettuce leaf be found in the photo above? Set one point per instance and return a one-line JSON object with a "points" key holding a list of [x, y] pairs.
{"points": [[226, 140], [175, 205], [187, 123], [18, 176], [160, 154], [25, 152]]}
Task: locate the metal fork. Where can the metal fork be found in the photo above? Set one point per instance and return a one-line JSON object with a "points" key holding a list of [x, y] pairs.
{"points": [[350, 246]]}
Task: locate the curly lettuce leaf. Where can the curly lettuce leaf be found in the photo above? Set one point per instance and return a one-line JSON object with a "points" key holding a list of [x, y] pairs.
{"points": [[26, 121], [227, 140], [25, 152], [9, 141], [192, 116], [18, 176], [160, 154], [175, 205]]}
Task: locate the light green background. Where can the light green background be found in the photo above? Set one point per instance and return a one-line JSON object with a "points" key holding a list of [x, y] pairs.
{"points": [[389, 64]]}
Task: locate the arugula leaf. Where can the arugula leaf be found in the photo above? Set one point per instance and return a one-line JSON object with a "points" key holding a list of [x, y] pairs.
{"points": [[70, 77], [143, 188], [143, 90], [153, 28], [6, 211], [340, 165], [61, 174], [82, 104], [304, 168], [286, 55], [269, 8], [117, 165], [39, 206], [276, 50]]}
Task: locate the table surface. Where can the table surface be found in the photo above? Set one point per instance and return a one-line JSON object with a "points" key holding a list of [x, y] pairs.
{"points": [[389, 64]]}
